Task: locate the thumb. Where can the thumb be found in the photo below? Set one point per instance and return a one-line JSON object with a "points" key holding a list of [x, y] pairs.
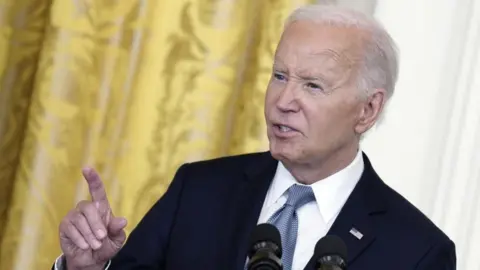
{"points": [[116, 225], [115, 230]]}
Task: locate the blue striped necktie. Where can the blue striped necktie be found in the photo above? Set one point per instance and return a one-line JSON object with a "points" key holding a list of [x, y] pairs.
{"points": [[286, 220]]}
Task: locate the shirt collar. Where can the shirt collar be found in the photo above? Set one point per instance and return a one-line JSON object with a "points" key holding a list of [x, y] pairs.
{"points": [[331, 193]]}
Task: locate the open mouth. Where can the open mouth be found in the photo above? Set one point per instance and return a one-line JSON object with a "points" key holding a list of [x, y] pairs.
{"points": [[283, 130]]}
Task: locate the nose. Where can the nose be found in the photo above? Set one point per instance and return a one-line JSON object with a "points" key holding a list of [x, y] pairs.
{"points": [[287, 100]]}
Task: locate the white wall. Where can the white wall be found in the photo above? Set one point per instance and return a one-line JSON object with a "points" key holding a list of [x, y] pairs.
{"points": [[367, 6], [428, 147]]}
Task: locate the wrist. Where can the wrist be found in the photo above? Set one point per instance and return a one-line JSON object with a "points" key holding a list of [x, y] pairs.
{"points": [[71, 266]]}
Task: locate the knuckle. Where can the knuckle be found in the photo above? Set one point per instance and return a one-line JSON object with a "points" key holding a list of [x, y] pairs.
{"points": [[68, 219], [70, 214], [78, 218], [82, 204], [79, 204], [63, 226], [70, 229], [90, 208]]}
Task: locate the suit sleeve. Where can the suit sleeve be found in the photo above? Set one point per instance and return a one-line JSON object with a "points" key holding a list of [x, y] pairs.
{"points": [[147, 244], [439, 257]]}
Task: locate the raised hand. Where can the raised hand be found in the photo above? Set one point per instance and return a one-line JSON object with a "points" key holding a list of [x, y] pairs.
{"points": [[89, 234]]}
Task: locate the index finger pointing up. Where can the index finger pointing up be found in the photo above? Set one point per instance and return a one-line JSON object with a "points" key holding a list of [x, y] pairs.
{"points": [[95, 186]]}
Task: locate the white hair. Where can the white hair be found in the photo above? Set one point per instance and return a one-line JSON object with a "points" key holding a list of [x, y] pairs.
{"points": [[379, 66]]}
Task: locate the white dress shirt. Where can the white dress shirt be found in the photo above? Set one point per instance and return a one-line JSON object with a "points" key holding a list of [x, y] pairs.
{"points": [[314, 218]]}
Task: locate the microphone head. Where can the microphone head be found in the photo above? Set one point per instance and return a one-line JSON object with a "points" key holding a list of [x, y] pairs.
{"points": [[263, 236], [330, 245]]}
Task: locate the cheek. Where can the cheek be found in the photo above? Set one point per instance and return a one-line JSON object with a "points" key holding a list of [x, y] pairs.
{"points": [[325, 121], [270, 98]]}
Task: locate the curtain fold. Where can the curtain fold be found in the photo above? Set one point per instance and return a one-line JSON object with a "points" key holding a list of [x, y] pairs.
{"points": [[134, 88], [22, 27]]}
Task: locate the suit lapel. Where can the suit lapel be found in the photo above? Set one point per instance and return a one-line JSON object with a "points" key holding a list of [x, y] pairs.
{"points": [[250, 196], [353, 224]]}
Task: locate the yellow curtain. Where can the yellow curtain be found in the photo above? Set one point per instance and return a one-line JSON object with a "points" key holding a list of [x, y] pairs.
{"points": [[131, 87]]}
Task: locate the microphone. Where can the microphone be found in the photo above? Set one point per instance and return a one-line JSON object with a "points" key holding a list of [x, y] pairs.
{"points": [[265, 248], [330, 254]]}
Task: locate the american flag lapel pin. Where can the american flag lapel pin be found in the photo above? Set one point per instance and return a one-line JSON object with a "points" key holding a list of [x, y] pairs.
{"points": [[356, 233]]}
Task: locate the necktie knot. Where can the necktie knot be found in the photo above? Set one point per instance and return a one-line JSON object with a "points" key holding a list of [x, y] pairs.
{"points": [[299, 195]]}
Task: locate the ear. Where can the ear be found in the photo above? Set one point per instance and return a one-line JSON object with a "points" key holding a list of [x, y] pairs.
{"points": [[371, 110]]}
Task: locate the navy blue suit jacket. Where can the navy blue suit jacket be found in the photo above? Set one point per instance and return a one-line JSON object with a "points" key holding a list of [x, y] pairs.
{"points": [[205, 218]]}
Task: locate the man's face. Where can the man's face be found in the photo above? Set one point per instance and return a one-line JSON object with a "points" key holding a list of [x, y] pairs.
{"points": [[313, 108]]}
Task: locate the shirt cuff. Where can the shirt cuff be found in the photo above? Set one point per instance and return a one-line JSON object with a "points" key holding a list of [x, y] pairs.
{"points": [[61, 265]]}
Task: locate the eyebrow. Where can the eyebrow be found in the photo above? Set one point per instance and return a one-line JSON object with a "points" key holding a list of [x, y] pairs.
{"points": [[310, 77], [305, 75]]}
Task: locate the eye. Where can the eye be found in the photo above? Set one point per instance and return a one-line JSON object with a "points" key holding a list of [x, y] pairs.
{"points": [[314, 86], [279, 76]]}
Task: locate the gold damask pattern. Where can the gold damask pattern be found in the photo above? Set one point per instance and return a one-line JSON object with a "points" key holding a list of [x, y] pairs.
{"points": [[21, 33], [134, 88]]}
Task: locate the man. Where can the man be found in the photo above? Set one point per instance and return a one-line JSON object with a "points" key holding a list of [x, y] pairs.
{"points": [[333, 72]]}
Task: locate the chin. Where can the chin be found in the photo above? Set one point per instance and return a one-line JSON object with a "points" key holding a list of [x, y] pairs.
{"points": [[284, 153]]}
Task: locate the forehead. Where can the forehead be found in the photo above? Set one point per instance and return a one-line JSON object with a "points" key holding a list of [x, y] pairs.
{"points": [[304, 41]]}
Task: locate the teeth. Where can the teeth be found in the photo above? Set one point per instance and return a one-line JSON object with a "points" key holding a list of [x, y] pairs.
{"points": [[285, 129]]}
